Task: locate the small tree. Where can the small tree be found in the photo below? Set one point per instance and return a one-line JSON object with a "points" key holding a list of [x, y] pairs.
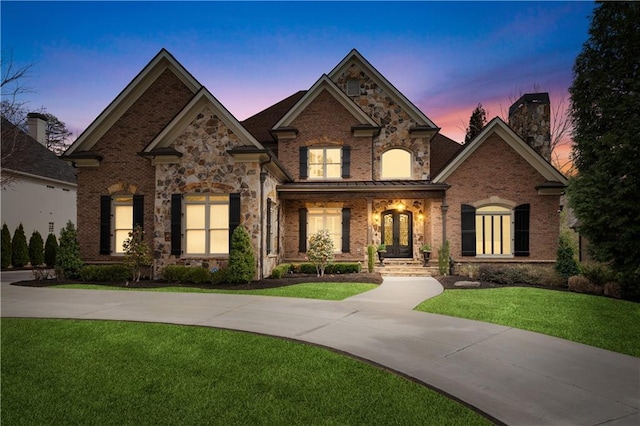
{"points": [[19, 248], [36, 249], [6, 247], [242, 260], [320, 251], [50, 251], [68, 262], [566, 263], [136, 252]]}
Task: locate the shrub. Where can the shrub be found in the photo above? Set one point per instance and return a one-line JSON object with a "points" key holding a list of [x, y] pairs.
{"points": [[105, 273], [50, 251], [19, 249], [68, 263], [334, 268], [566, 263], [598, 273], [136, 252], [443, 258], [198, 275], [582, 284], [220, 276], [371, 258], [36, 249], [320, 251], [175, 273], [521, 274], [242, 260], [6, 247], [280, 270]]}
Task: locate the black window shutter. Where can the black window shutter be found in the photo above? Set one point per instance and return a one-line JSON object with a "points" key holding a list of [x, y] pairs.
{"points": [[105, 224], [269, 230], [346, 161], [138, 211], [234, 214], [468, 221], [346, 230], [303, 162], [521, 230], [302, 237], [176, 224]]}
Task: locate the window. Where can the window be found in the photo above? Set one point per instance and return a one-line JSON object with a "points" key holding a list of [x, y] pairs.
{"points": [[495, 230], [51, 228], [353, 87], [325, 163], [272, 227], [396, 164], [206, 224], [122, 221], [330, 219]]}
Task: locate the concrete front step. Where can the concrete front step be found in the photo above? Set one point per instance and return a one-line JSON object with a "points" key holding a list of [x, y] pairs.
{"points": [[405, 268]]}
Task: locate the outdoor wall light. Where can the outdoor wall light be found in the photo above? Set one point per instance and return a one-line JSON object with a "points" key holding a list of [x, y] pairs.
{"points": [[420, 215], [400, 207], [376, 217]]}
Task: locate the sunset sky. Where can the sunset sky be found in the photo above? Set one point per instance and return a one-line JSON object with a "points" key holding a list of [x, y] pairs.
{"points": [[446, 57]]}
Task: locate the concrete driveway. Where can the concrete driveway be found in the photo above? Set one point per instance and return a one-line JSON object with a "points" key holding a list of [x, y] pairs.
{"points": [[515, 376]]}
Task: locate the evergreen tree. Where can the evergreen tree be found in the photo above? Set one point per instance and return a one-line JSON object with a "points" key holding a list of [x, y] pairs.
{"points": [[36, 249], [6, 247], [19, 248], [242, 261], [605, 106], [477, 121], [566, 263], [50, 251], [68, 263]]}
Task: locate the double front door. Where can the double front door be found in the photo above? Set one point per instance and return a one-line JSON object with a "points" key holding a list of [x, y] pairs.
{"points": [[397, 233]]}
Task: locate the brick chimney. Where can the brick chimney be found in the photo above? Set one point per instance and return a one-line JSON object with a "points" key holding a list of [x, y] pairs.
{"points": [[530, 118], [37, 124]]}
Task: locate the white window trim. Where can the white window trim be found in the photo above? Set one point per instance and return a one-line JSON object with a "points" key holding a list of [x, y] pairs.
{"points": [[119, 251], [322, 212]]}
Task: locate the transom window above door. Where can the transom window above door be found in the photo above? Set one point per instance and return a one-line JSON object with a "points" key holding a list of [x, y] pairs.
{"points": [[325, 163], [396, 164]]}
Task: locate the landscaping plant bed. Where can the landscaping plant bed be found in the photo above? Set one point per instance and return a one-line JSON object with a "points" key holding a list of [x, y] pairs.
{"points": [[290, 279], [448, 282]]}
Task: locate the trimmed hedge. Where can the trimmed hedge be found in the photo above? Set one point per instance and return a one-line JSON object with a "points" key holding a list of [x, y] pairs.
{"points": [[194, 274], [521, 274], [281, 270], [332, 268], [105, 273]]}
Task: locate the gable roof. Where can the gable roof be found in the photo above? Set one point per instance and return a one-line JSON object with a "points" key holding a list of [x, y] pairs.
{"points": [[23, 154], [145, 78], [498, 126], [355, 57], [324, 84], [201, 99], [260, 124]]}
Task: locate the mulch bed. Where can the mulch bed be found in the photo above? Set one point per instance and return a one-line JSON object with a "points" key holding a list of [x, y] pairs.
{"points": [[448, 282]]}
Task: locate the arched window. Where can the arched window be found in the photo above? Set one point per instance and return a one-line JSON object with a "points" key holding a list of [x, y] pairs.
{"points": [[396, 164]]}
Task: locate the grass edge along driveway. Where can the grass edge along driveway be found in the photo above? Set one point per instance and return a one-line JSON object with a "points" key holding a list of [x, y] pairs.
{"points": [[316, 290], [110, 372], [593, 320]]}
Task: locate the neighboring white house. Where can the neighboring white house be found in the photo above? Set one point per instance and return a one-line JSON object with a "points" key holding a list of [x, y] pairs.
{"points": [[38, 189]]}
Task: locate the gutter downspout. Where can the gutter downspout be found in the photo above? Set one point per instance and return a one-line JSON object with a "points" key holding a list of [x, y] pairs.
{"points": [[263, 178]]}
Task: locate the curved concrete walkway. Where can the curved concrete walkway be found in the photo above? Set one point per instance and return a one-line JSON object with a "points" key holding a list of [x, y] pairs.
{"points": [[518, 377]]}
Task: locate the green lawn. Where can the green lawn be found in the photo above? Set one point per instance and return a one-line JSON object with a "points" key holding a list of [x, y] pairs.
{"points": [[324, 291], [596, 321], [100, 372]]}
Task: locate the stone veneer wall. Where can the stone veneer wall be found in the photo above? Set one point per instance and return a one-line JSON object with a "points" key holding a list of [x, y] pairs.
{"points": [[122, 170], [496, 170], [532, 122], [394, 121], [205, 167]]}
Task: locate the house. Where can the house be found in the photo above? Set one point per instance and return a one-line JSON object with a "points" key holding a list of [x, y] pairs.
{"points": [[351, 154], [38, 189]]}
